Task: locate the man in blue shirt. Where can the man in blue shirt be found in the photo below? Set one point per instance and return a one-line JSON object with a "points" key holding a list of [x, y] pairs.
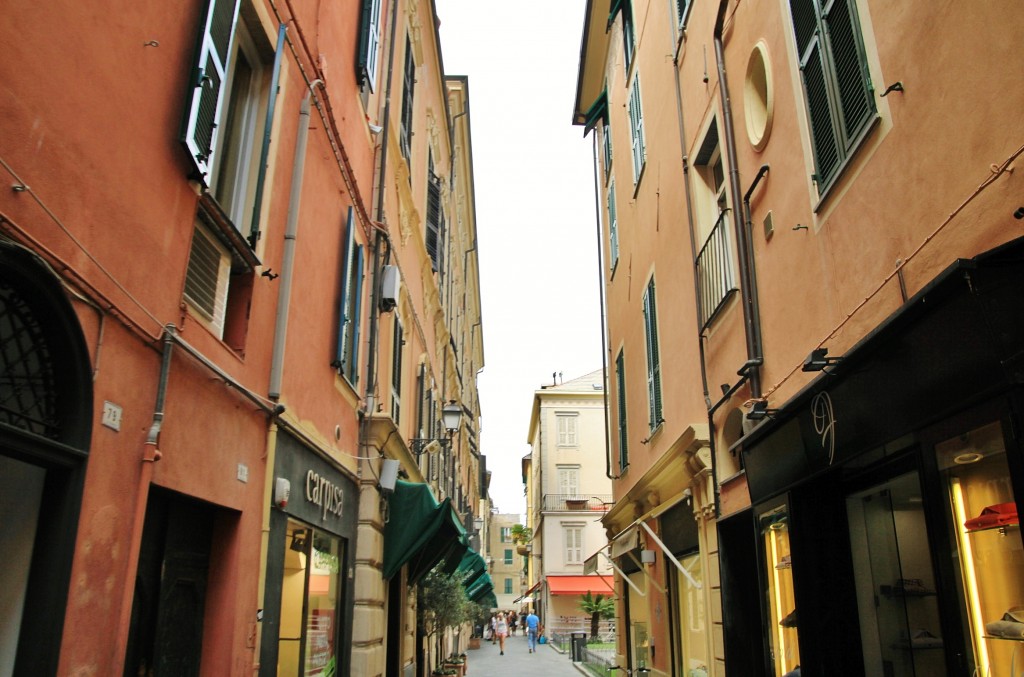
{"points": [[532, 622]]}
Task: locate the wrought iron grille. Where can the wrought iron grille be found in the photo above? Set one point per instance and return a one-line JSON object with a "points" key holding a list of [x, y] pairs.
{"points": [[27, 380], [715, 270]]}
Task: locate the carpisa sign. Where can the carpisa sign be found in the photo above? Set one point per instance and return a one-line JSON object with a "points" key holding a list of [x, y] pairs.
{"points": [[323, 493]]}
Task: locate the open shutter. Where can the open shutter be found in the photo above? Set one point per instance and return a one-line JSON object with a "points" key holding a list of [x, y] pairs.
{"points": [[613, 227], [433, 220], [855, 96], [268, 126], [342, 347], [356, 290], [653, 358], [205, 98], [369, 45], [620, 368]]}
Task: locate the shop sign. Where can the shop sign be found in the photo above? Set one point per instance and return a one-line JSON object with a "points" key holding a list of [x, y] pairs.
{"points": [[324, 494], [825, 423]]}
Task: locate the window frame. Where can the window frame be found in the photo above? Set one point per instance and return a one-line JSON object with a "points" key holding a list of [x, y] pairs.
{"points": [[346, 357], [572, 540], [567, 428], [368, 62]]}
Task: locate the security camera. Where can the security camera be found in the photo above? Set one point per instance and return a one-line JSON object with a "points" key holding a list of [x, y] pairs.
{"points": [[375, 129]]}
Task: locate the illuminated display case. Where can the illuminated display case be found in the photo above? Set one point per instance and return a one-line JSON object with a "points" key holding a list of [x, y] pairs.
{"points": [[983, 514], [783, 637]]}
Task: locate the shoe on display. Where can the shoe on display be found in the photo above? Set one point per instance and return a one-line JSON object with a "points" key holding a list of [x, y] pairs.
{"points": [[1010, 626], [998, 515], [785, 563], [919, 639], [911, 586], [790, 620]]}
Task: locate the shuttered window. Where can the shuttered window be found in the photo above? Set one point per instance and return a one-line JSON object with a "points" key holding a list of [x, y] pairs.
{"points": [[435, 217], [620, 377], [367, 65], [346, 359], [217, 26], [574, 545], [838, 91], [613, 228], [206, 279], [653, 357], [408, 87], [636, 130], [396, 372]]}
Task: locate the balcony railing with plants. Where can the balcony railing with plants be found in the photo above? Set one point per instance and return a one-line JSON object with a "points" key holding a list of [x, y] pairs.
{"points": [[715, 271], [570, 502]]}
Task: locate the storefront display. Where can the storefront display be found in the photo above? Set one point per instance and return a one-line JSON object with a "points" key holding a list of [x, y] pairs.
{"points": [[983, 512], [783, 637]]}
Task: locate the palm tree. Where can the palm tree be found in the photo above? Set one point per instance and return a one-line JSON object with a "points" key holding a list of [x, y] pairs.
{"points": [[521, 535], [598, 607]]}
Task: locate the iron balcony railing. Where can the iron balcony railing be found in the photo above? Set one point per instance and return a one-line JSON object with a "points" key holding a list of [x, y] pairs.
{"points": [[571, 502], [715, 271]]}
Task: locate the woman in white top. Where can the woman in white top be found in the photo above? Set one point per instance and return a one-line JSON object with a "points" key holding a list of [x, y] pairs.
{"points": [[501, 630]]}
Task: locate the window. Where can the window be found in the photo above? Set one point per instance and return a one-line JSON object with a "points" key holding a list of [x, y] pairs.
{"points": [[396, 371], [653, 358], [369, 44], [346, 359], [620, 382], [606, 144], [569, 480], [613, 228], [714, 260], [408, 84], [636, 130], [567, 429], [628, 33], [838, 91], [573, 544], [206, 280], [508, 586], [435, 220], [508, 555], [506, 534], [228, 111]]}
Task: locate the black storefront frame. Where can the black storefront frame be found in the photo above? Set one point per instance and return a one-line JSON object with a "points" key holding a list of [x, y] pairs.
{"points": [[295, 462], [954, 347]]}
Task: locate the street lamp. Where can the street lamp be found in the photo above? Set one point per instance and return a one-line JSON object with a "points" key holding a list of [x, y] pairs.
{"points": [[451, 419]]}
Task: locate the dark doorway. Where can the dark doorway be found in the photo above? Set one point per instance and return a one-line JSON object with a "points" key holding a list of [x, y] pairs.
{"points": [[170, 588]]}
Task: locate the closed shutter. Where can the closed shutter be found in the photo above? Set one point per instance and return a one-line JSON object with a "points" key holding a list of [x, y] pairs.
{"points": [[206, 279], [620, 369], [636, 125], [369, 45], [205, 96], [613, 227], [433, 225], [857, 102]]}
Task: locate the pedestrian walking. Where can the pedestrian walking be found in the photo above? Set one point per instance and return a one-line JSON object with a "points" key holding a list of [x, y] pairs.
{"points": [[494, 628], [532, 626], [501, 630]]}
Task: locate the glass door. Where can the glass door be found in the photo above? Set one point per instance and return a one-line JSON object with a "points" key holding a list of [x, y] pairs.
{"points": [[895, 581], [989, 555]]}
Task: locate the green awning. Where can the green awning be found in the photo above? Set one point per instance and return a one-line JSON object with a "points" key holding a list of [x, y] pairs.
{"points": [[480, 587], [471, 566], [421, 532], [597, 111]]}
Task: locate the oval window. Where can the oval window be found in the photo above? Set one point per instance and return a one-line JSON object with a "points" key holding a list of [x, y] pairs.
{"points": [[757, 97]]}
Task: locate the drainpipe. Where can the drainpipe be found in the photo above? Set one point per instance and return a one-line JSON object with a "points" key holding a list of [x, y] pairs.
{"points": [[743, 244], [150, 455], [287, 263], [604, 323]]}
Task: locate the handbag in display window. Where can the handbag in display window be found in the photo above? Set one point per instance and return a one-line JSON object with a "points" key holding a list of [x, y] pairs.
{"points": [[998, 515]]}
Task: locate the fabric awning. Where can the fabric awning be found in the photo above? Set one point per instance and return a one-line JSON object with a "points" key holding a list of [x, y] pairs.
{"points": [[421, 532], [625, 541], [580, 585]]}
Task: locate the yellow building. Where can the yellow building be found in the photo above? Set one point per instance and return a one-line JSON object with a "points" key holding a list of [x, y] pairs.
{"points": [[812, 272]]}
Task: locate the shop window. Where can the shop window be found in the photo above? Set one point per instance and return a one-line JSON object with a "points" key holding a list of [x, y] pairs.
{"points": [[782, 635], [895, 581], [986, 534], [310, 595]]}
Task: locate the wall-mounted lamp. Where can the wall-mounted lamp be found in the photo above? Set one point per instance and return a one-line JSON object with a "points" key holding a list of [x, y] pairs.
{"points": [[759, 411], [648, 556], [451, 418], [388, 475], [818, 360]]}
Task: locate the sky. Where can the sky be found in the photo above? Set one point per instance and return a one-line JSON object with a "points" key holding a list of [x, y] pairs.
{"points": [[536, 231]]}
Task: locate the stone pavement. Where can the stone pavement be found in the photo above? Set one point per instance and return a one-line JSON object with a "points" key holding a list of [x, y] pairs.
{"points": [[518, 662]]}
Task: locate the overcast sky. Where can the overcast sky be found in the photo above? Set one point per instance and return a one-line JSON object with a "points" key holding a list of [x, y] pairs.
{"points": [[535, 213]]}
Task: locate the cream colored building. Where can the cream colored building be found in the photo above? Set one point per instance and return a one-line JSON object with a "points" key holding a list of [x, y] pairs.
{"points": [[568, 494], [506, 564]]}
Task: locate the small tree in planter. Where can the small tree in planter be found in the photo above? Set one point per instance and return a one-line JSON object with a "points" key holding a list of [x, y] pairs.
{"points": [[442, 605], [598, 607]]}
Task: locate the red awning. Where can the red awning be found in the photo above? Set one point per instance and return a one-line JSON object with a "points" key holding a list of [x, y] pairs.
{"points": [[579, 585]]}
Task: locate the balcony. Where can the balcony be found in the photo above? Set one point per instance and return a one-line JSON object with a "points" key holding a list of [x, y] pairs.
{"points": [[572, 502], [715, 271]]}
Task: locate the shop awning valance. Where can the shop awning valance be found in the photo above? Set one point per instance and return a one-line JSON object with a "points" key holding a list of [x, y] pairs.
{"points": [[421, 532], [580, 585]]}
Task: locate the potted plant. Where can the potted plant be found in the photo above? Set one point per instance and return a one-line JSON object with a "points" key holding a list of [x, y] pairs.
{"points": [[521, 536]]}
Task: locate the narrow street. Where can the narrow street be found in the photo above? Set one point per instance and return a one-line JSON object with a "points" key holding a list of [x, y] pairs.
{"points": [[487, 661]]}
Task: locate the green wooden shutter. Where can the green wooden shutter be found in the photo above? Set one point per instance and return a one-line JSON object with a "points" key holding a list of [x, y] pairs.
{"points": [[356, 291], [613, 226], [342, 346], [205, 97], [408, 88], [857, 102], [268, 125], [653, 358], [620, 375], [368, 57]]}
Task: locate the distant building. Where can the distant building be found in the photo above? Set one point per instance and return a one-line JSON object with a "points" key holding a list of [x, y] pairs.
{"points": [[506, 564], [568, 494]]}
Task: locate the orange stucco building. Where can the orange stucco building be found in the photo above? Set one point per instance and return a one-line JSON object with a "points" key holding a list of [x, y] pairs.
{"points": [[215, 213], [811, 229]]}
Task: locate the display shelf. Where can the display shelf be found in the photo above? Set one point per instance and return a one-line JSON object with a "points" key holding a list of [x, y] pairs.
{"points": [[1001, 528], [893, 591], [1008, 639]]}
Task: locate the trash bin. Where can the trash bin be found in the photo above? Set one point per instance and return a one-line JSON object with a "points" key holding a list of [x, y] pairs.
{"points": [[578, 646]]}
